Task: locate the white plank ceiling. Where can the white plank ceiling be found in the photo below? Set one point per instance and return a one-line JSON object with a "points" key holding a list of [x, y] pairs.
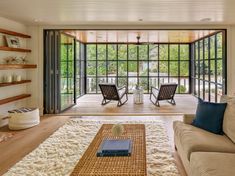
{"points": [[75, 12]]}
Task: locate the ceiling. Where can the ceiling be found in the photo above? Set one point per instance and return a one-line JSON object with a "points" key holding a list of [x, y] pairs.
{"points": [[130, 36], [75, 12]]}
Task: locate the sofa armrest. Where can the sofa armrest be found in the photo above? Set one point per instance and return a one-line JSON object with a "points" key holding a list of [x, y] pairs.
{"points": [[188, 118]]}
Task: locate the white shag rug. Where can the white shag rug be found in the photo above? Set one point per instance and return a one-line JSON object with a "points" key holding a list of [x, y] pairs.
{"points": [[59, 154]]}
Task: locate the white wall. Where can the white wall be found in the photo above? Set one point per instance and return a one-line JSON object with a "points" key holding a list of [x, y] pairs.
{"points": [[6, 92]]}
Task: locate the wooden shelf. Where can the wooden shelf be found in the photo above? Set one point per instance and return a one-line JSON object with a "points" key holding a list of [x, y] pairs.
{"points": [[4, 31], [15, 98], [17, 66], [5, 48], [14, 83]]}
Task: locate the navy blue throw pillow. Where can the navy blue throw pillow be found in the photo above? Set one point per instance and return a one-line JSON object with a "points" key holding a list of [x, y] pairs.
{"points": [[209, 116]]}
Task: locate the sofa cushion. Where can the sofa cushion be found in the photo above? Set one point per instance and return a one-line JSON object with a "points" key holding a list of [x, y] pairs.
{"points": [[212, 164], [209, 116], [229, 117], [194, 139]]}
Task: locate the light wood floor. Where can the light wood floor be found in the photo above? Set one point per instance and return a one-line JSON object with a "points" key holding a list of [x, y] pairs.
{"points": [[91, 105], [24, 141]]}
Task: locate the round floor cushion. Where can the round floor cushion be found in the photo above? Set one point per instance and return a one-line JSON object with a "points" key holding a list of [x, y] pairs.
{"points": [[23, 120]]}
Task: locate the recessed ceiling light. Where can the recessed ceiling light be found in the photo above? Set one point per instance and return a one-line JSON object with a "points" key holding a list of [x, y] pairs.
{"points": [[205, 19], [140, 19]]}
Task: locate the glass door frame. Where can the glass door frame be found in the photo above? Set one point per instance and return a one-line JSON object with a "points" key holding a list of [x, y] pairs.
{"points": [[74, 71]]}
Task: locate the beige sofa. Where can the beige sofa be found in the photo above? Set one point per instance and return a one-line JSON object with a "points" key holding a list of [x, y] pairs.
{"points": [[204, 153]]}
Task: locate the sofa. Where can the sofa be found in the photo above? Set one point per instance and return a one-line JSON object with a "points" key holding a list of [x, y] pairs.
{"points": [[204, 153]]}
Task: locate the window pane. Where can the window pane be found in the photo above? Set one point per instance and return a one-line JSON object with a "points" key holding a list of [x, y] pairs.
{"points": [[112, 80], [163, 68], [101, 52], [112, 68], [122, 82], [163, 52], [143, 52], [122, 68], [219, 71], [153, 68], [91, 85], [184, 85], [184, 52], [132, 52], [122, 52], [174, 68], [153, 52], [212, 70], [112, 52], [91, 68], [219, 46], [143, 68], [132, 82], [91, 52], [132, 68], [212, 47], [101, 68], [174, 52], [143, 82], [184, 68]]}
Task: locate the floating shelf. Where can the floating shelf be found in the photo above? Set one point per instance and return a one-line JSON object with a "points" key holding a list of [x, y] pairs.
{"points": [[4, 31], [17, 66], [14, 83], [15, 98], [5, 48]]}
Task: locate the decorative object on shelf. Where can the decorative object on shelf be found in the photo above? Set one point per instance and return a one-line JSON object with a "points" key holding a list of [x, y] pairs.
{"points": [[17, 78], [12, 41], [23, 60], [15, 60], [8, 79], [117, 129]]}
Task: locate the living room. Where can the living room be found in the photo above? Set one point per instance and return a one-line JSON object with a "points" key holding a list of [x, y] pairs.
{"points": [[66, 75]]}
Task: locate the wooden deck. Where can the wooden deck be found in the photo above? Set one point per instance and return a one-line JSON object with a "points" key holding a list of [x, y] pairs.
{"points": [[91, 105]]}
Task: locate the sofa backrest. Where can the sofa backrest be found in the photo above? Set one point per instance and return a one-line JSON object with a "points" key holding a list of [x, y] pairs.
{"points": [[229, 117]]}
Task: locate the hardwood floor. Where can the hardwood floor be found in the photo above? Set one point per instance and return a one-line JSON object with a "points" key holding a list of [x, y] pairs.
{"points": [[24, 141], [91, 105]]}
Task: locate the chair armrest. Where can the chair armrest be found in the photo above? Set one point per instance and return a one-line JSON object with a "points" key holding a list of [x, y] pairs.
{"points": [[121, 87], [153, 88], [188, 118]]}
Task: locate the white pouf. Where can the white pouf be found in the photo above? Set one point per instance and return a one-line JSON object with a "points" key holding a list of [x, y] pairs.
{"points": [[23, 120]]}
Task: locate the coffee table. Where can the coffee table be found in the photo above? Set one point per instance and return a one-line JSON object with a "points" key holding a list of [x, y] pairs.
{"points": [[134, 165]]}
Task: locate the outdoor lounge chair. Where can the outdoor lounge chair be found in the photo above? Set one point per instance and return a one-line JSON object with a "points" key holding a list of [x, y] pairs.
{"points": [[112, 92], [166, 92]]}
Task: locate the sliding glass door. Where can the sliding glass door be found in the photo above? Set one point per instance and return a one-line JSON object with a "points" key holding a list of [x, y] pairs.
{"points": [[67, 81]]}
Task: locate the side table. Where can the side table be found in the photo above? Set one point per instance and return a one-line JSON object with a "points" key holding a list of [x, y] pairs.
{"points": [[138, 95]]}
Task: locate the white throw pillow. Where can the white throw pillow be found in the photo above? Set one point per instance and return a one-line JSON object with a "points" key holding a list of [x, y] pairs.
{"points": [[229, 117]]}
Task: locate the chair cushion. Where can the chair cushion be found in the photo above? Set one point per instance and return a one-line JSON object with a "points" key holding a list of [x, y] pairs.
{"points": [[212, 164], [209, 116], [193, 139], [229, 117]]}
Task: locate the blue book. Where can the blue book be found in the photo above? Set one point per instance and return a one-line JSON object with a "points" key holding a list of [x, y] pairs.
{"points": [[111, 147]]}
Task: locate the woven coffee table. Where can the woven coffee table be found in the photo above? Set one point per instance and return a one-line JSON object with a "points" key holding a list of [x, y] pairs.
{"points": [[134, 165]]}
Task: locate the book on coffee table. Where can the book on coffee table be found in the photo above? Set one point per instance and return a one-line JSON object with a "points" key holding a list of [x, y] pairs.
{"points": [[111, 147]]}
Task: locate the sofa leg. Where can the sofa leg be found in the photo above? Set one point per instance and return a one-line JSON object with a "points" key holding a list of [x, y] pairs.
{"points": [[175, 148]]}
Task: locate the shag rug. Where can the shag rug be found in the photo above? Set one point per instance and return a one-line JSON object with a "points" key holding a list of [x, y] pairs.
{"points": [[59, 154]]}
